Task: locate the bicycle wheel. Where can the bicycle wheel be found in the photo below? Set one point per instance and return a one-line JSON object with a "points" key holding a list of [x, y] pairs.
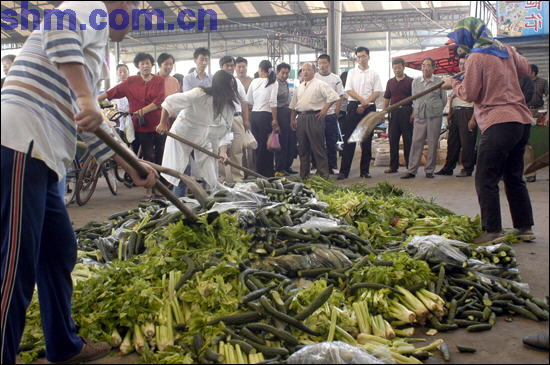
{"points": [[70, 184], [87, 181], [108, 169]]}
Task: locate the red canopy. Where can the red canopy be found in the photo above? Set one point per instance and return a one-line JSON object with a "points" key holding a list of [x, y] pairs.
{"points": [[444, 58]]}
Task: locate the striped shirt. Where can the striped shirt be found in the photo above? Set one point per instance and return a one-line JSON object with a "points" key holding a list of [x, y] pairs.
{"points": [[37, 103]]}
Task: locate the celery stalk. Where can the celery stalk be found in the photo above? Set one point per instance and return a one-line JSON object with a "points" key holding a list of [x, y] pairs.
{"points": [[126, 345], [332, 329]]}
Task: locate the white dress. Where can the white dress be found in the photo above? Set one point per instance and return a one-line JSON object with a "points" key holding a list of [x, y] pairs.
{"points": [[195, 122]]}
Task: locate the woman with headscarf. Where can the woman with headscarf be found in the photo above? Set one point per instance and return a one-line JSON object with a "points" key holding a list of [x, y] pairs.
{"points": [[491, 82], [204, 116]]}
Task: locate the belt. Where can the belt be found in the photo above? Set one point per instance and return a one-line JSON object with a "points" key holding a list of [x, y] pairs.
{"points": [[237, 114], [463, 108], [309, 112]]}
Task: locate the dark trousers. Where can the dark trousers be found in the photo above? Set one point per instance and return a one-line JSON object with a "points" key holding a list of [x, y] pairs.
{"points": [[400, 125], [310, 133], [331, 137], [261, 129], [352, 119], [284, 157], [461, 142], [500, 154], [152, 146], [38, 247]]}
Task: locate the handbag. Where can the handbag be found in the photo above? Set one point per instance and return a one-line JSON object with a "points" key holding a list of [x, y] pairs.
{"points": [[249, 141], [273, 144]]}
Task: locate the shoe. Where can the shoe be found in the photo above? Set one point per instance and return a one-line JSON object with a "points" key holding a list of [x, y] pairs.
{"points": [[444, 172], [341, 177], [525, 234], [333, 171], [429, 175], [539, 341], [530, 179], [490, 238], [390, 171], [90, 351], [291, 172], [408, 176], [463, 173], [366, 175], [280, 174]]}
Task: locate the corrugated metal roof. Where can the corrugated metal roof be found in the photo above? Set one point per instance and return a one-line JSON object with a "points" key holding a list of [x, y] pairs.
{"points": [[248, 25]]}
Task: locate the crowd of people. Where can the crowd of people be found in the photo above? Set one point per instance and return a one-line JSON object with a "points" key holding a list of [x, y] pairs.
{"points": [[52, 87]]}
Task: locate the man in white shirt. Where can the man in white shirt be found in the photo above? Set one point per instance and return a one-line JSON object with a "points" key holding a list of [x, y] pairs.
{"points": [[311, 101], [48, 98], [331, 120], [240, 121], [363, 88]]}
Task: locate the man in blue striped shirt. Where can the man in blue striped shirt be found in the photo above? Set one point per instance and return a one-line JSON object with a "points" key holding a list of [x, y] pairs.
{"points": [[49, 96]]}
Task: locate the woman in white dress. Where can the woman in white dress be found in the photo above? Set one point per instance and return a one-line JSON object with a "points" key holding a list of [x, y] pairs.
{"points": [[204, 116]]}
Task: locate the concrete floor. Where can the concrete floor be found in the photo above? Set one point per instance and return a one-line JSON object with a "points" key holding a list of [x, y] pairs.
{"points": [[502, 344]]}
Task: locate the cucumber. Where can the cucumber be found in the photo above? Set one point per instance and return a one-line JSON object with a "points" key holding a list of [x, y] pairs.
{"points": [[237, 318], [465, 349], [285, 318], [188, 273], [257, 294], [540, 313], [479, 327], [445, 351], [283, 335], [522, 312], [246, 333], [245, 346], [315, 304]]}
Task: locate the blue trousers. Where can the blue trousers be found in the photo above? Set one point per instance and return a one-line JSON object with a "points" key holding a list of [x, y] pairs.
{"points": [[38, 247]]}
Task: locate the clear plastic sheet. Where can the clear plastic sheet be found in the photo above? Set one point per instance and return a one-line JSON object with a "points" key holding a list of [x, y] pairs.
{"points": [[290, 264], [336, 352], [319, 223], [437, 249]]}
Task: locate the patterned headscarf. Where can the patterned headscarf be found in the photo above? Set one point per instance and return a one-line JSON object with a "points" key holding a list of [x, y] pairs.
{"points": [[471, 35]]}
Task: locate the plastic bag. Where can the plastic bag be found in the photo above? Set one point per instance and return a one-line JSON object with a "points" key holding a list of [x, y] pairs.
{"points": [[336, 352], [435, 249], [273, 144], [322, 256], [129, 131], [249, 141]]}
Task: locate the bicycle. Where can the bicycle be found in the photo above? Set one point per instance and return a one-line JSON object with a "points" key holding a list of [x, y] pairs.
{"points": [[73, 171], [91, 170]]}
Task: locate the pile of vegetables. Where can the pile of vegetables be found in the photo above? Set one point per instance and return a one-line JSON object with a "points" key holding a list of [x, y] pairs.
{"points": [[257, 284]]}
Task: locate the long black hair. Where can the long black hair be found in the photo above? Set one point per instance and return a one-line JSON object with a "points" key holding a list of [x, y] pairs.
{"points": [[267, 67], [223, 91]]}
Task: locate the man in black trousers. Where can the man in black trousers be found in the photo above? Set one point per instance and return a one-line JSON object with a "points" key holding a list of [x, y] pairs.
{"points": [[363, 87], [397, 89], [462, 134]]}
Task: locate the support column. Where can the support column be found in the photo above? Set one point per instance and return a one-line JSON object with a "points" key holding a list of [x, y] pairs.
{"points": [[388, 49], [155, 57], [108, 62], [209, 58], [334, 34], [117, 52]]}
